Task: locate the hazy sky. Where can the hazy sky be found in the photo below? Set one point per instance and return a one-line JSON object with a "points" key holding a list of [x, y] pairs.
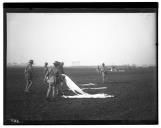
{"points": [[91, 38]]}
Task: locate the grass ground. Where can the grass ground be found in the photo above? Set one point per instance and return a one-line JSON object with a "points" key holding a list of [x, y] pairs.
{"points": [[135, 97]]}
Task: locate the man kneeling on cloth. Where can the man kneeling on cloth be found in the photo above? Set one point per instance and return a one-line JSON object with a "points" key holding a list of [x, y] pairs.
{"points": [[54, 80]]}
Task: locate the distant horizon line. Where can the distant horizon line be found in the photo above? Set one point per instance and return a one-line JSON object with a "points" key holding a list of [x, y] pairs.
{"points": [[144, 65]]}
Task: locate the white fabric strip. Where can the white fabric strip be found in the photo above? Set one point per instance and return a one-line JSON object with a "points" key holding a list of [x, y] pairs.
{"points": [[79, 92], [89, 96], [94, 88], [87, 84]]}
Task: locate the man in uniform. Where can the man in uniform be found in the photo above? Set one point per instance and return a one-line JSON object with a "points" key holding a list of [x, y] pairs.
{"points": [[28, 75]]}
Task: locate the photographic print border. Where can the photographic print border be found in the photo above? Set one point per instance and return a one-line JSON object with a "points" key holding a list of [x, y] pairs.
{"points": [[93, 7]]}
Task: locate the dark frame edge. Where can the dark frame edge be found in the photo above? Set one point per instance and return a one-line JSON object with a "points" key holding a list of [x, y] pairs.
{"points": [[69, 122]]}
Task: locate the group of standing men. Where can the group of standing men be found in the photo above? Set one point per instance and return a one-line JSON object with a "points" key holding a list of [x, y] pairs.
{"points": [[52, 76]]}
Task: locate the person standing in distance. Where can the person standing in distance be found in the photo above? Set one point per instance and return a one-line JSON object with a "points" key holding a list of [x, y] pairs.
{"points": [[103, 72]]}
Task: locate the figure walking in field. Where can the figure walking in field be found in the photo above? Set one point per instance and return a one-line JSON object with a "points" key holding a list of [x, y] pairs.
{"points": [[103, 72], [54, 78], [28, 75], [45, 71]]}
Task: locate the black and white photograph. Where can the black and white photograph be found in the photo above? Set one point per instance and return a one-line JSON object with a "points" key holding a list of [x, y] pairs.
{"points": [[66, 64]]}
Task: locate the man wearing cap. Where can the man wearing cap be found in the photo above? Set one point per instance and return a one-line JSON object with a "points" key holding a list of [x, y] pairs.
{"points": [[28, 75]]}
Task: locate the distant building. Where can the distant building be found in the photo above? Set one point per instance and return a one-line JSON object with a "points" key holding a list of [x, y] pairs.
{"points": [[76, 63]]}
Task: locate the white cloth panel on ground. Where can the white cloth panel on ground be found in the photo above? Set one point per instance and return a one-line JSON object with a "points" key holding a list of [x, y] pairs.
{"points": [[79, 92]]}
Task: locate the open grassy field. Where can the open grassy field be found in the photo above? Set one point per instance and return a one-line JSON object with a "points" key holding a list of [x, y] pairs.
{"points": [[135, 98]]}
